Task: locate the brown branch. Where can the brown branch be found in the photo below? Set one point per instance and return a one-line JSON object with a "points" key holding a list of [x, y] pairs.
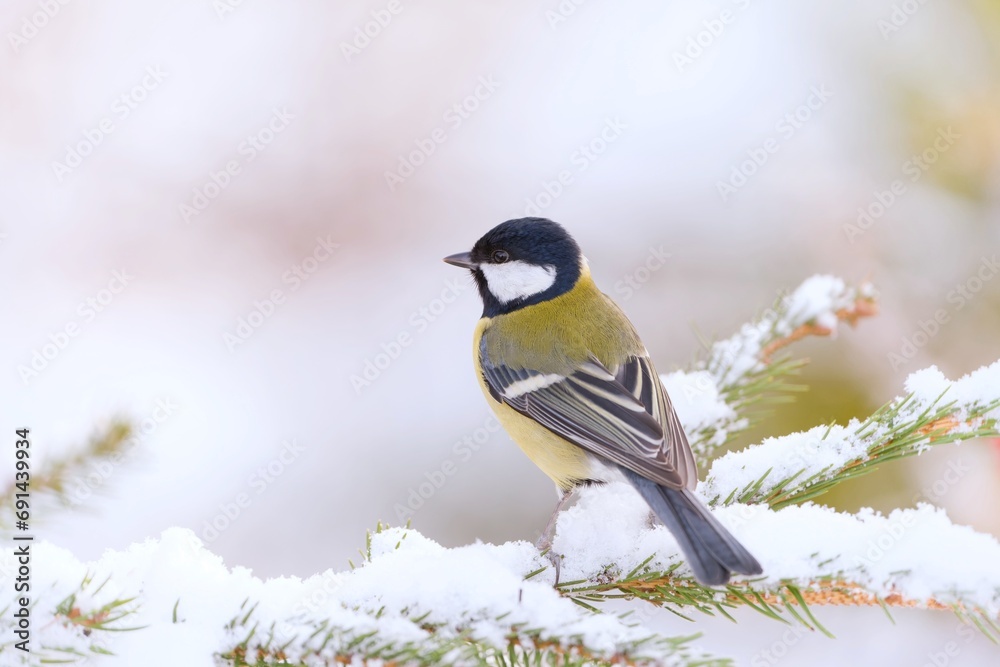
{"points": [[843, 593], [862, 307], [822, 592], [264, 655], [940, 427]]}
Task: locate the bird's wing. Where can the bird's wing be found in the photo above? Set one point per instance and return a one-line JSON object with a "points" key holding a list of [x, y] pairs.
{"points": [[639, 377], [618, 417]]}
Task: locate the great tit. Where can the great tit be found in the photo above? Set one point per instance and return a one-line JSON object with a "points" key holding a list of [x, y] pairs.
{"points": [[571, 382]]}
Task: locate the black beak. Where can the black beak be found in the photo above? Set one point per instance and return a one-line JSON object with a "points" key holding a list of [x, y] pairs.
{"points": [[461, 259]]}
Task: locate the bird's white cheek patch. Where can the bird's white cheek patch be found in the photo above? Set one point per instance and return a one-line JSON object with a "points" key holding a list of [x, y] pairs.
{"points": [[517, 279]]}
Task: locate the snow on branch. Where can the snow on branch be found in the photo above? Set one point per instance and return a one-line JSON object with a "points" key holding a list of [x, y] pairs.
{"points": [[795, 467], [811, 555], [411, 602], [814, 308], [739, 372]]}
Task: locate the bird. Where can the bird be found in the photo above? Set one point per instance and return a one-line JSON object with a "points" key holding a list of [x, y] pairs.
{"points": [[569, 379]]}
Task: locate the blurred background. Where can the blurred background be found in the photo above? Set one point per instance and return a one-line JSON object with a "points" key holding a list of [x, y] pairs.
{"points": [[223, 221]]}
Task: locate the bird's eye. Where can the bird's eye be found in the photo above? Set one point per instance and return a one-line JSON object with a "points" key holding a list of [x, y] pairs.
{"points": [[500, 256]]}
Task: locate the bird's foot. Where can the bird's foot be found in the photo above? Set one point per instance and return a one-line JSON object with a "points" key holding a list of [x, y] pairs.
{"points": [[552, 557], [544, 543]]}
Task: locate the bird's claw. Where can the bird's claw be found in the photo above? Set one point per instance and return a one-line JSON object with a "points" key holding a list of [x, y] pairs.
{"points": [[555, 559]]}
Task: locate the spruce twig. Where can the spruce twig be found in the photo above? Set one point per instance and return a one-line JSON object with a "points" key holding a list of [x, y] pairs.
{"points": [[745, 370], [53, 478]]}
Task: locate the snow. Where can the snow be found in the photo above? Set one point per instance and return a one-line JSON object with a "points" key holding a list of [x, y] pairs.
{"points": [[412, 590], [911, 552], [816, 301], [699, 406], [822, 450], [412, 584], [698, 395], [980, 387], [479, 589], [473, 586]]}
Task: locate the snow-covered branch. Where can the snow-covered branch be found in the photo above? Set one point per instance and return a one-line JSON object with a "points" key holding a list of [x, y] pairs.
{"points": [[413, 601], [810, 554], [794, 467], [715, 398]]}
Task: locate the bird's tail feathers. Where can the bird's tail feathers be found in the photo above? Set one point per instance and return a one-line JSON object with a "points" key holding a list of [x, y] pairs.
{"points": [[711, 550]]}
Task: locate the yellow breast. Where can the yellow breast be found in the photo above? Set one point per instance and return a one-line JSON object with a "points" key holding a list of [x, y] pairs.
{"points": [[565, 463]]}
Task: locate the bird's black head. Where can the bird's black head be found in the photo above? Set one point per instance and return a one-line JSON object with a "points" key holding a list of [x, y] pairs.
{"points": [[521, 262]]}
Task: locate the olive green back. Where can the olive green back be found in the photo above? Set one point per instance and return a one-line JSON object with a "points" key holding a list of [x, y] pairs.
{"points": [[558, 335]]}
